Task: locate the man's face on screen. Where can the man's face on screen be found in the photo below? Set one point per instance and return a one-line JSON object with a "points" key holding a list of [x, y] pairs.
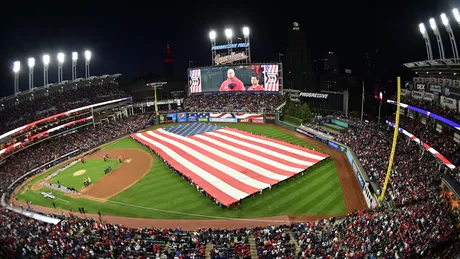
{"points": [[230, 73], [254, 81]]}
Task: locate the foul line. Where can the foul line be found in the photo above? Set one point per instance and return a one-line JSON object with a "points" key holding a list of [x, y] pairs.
{"points": [[63, 200], [195, 214]]}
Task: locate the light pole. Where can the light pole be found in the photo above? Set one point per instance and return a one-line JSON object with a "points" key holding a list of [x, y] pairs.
{"points": [[46, 62], [87, 62], [16, 69], [60, 58], [446, 23], [434, 27], [426, 37], [247, 50], [229, 36], [212, 37], [74, 65], [31, 63]]}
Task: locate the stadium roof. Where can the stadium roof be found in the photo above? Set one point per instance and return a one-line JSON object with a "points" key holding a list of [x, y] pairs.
{"points": [[445, 67]]}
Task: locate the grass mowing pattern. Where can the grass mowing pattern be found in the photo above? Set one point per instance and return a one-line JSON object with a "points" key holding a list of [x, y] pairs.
{"points": [[161, 192]]}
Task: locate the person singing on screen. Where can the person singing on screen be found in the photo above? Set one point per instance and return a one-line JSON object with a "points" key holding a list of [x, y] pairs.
{"points": [[232, 83], [255, 84]]}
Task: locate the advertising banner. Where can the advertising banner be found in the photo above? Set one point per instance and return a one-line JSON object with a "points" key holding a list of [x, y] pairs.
{"points": [[306, 133], [194, 116], [405, 92], [455, 84], [408, 86], [230, 78], [171, 117], [428, 97], [162, 118], [448, 102], [203, 119], [191, 118], [258, 121], [420, 87], [244, 120], [339, 123], [417, 95], [270, 118], [452, 92], [447, 82], [321, 139], [358, 174], [436, 88], [333, 145], [223, 120], [182, 117]]}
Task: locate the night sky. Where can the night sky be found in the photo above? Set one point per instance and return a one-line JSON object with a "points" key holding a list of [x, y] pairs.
{"points": [[131, 39]]}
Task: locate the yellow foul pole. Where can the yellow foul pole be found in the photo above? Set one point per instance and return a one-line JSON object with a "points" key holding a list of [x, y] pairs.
{"points": [[395, 140], [156, 105]]}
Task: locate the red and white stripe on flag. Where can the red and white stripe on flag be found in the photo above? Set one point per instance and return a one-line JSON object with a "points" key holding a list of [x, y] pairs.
{"points": [[195, 81], [230, 164]]}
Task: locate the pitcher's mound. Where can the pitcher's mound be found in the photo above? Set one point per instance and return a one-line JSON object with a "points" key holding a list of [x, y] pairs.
{"points": [[79, 172]]}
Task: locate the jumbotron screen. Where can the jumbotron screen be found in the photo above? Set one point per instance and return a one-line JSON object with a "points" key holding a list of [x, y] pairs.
{"points": [[234, 78]]}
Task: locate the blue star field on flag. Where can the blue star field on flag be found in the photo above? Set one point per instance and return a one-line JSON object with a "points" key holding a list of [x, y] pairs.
{"points": [[187, 130]]}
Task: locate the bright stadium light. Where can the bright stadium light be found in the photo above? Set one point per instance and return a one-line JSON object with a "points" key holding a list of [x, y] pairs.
{"points": [[46, 62], [444, 19], [60, 57], [456, 15], [212, 35], [422, 28], [16, 69], [31, 63], [228, 33], [453, 43], [74, 65], [424, 33], [433, 24], [246, 31], [46, 59], [88, 55], [74, 56], [434, 27]]}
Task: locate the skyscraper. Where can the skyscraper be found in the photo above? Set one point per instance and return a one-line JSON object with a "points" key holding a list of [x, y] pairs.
{"points": [[298, 61], [168, 63], [331, 63]]}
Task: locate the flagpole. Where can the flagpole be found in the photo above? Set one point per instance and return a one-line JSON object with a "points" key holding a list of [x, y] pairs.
{"points": [[362, 104]]}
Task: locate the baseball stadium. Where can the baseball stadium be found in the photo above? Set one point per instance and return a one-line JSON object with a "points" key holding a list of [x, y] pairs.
{"points": [[235, 168]]}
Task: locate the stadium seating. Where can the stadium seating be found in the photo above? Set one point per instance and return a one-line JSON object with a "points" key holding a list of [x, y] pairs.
{"points": [[253, 102], [41, 107]]}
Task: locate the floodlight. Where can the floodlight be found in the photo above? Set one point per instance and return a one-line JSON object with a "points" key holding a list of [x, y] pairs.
{"points": [[444, 19], [456, 14], [246, 31], [433, 24], [212, 35], [87, 55], [16, 66], [74, 56], [228, 33], [422, 28], [60, 57], [46, 59], [31, 62]]}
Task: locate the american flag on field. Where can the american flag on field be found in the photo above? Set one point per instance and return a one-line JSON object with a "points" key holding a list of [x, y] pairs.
{"points": [[195, 81], [229, 164], [254, 116], [271, 78]]}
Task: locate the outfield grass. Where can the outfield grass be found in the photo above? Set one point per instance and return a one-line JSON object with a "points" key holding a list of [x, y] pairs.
{"points": [[163, 194], [94, 169]]}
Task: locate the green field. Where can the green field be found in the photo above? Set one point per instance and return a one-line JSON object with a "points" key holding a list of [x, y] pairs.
{"points": [[163, 194], [94, 169]]}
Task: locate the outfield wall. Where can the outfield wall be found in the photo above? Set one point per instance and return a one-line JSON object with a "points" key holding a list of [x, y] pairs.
{"points": [[360, 173]]}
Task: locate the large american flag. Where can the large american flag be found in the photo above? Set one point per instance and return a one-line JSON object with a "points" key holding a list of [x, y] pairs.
{"points": [[195, 81], [256, 116], [271, 78], [229, 164]]}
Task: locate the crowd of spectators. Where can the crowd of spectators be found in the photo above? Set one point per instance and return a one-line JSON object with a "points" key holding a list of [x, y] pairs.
{"points": [[51, 149], [274, 242], [229, 243], [41, 107], [433, 107], [233, 102]]}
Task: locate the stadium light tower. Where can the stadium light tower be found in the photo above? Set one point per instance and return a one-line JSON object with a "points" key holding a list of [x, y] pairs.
{"points": [[16, 69], [229, 36], [445, 22], [74, 65], [426, 37], [212, 38], [246, 40], [46, 62], [435, 29], [87, 61], [31, 63], [60, 58]]}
